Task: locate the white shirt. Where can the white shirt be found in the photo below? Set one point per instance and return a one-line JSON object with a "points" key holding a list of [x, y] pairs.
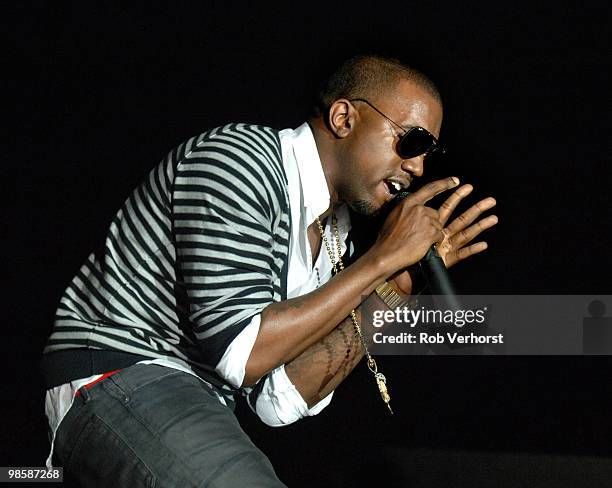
{"points": [[279, 402]]}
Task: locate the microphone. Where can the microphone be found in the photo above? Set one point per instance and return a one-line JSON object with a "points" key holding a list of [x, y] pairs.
{"points": [[434, 271], [439, 282]]}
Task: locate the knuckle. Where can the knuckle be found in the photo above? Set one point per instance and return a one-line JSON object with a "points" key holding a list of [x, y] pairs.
{"points": [[481, 206]]}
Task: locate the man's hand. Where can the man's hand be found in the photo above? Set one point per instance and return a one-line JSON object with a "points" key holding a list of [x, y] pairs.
{"points": [[460, 232], [452, 248], [411, 228]]}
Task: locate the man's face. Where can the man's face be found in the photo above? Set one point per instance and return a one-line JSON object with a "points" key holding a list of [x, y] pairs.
{"points": [[370, 159]]}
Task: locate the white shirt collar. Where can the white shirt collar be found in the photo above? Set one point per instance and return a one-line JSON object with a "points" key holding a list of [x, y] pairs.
{"points": [[314, 185]]}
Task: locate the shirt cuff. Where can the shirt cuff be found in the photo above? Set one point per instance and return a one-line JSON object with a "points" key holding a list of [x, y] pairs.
{"points": [[280, 403], [233, 363]]}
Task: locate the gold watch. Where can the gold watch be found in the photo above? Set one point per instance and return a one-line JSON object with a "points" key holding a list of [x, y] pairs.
{"points": [[388, 295]]}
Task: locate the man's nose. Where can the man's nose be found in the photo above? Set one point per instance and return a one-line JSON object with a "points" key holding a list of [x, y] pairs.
{"points": [[414, 165]]}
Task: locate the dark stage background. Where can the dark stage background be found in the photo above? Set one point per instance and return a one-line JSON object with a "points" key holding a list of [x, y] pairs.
{"points": [[103, 91]]}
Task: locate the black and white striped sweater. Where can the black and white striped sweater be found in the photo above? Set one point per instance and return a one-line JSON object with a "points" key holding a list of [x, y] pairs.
{"points": [[197, 250]]}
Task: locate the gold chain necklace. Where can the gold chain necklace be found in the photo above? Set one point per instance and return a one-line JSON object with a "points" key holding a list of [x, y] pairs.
{"points": [[338, 266]]}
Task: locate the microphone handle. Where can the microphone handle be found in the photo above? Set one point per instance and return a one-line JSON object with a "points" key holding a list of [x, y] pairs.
{"points": [[433, 269], [438, 280]]}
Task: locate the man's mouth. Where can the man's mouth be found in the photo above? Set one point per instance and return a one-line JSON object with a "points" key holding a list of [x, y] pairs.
{"points": [[394, 187]]}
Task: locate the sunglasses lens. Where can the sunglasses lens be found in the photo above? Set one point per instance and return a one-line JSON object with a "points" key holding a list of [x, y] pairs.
{"points": [[434, 155], [415, 142]]}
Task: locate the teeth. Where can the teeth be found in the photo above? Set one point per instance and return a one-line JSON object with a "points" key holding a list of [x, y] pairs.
{"points": [[396, 185]]}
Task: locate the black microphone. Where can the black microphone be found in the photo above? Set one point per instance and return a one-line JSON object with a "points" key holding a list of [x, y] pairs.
{"points": [[439, 282], [434, 271]]}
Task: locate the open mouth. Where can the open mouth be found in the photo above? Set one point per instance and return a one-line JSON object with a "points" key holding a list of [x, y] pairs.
{"points": [[393, 187]]}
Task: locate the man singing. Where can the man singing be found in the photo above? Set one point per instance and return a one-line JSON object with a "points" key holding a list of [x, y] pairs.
{"points": [[222, 275]]}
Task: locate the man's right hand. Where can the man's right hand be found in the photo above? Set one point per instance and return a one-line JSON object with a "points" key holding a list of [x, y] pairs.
{"points": [[411, 228]]}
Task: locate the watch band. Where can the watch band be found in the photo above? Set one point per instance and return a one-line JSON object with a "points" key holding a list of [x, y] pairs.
{"points": [[388, 295]]}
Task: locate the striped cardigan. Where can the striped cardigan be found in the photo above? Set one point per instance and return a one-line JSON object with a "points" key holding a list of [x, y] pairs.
{"points": [[197, 250]]}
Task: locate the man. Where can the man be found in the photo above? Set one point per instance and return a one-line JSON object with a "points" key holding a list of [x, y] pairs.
{"points": [[216, 280]]}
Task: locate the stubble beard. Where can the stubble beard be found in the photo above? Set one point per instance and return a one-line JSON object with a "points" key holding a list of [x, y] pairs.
{"points": [[359, 200], [365, 208]]}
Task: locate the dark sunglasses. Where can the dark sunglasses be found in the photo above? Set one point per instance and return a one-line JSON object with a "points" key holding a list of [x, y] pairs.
{"points": [[414, 141]]}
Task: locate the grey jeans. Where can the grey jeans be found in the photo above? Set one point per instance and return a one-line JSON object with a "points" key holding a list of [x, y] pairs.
{"points": [[153, 426]]}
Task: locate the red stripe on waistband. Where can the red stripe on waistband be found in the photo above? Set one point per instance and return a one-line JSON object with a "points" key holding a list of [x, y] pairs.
{"points": [[103, 377]]}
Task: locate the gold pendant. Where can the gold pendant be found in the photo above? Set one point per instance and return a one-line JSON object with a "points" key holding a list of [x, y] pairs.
{"points": [[381, 381]]}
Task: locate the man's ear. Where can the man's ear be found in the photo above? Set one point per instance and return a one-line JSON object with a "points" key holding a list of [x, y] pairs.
{"points": [[341, 118]]}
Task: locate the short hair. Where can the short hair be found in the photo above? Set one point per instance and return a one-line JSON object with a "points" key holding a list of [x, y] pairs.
{"points": [[363, 76]]}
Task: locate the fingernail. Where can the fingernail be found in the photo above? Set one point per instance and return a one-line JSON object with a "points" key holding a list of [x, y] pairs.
{"points": [[455, 180]]}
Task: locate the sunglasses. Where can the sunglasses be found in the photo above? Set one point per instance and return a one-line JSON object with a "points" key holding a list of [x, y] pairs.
{"points": [[414, 141]]}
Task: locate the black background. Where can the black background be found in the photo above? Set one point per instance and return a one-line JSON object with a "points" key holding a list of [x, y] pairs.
{"points": [[103, 91]]}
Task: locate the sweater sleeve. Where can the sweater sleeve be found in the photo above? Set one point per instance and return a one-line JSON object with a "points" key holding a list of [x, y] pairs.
{"points": [[225, 202]]}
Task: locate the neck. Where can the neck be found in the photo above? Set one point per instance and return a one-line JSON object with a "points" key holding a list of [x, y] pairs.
{"points": [[327, 213]]}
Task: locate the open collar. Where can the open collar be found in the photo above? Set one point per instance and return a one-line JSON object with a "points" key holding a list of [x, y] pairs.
{"points": [[316, 198]]}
